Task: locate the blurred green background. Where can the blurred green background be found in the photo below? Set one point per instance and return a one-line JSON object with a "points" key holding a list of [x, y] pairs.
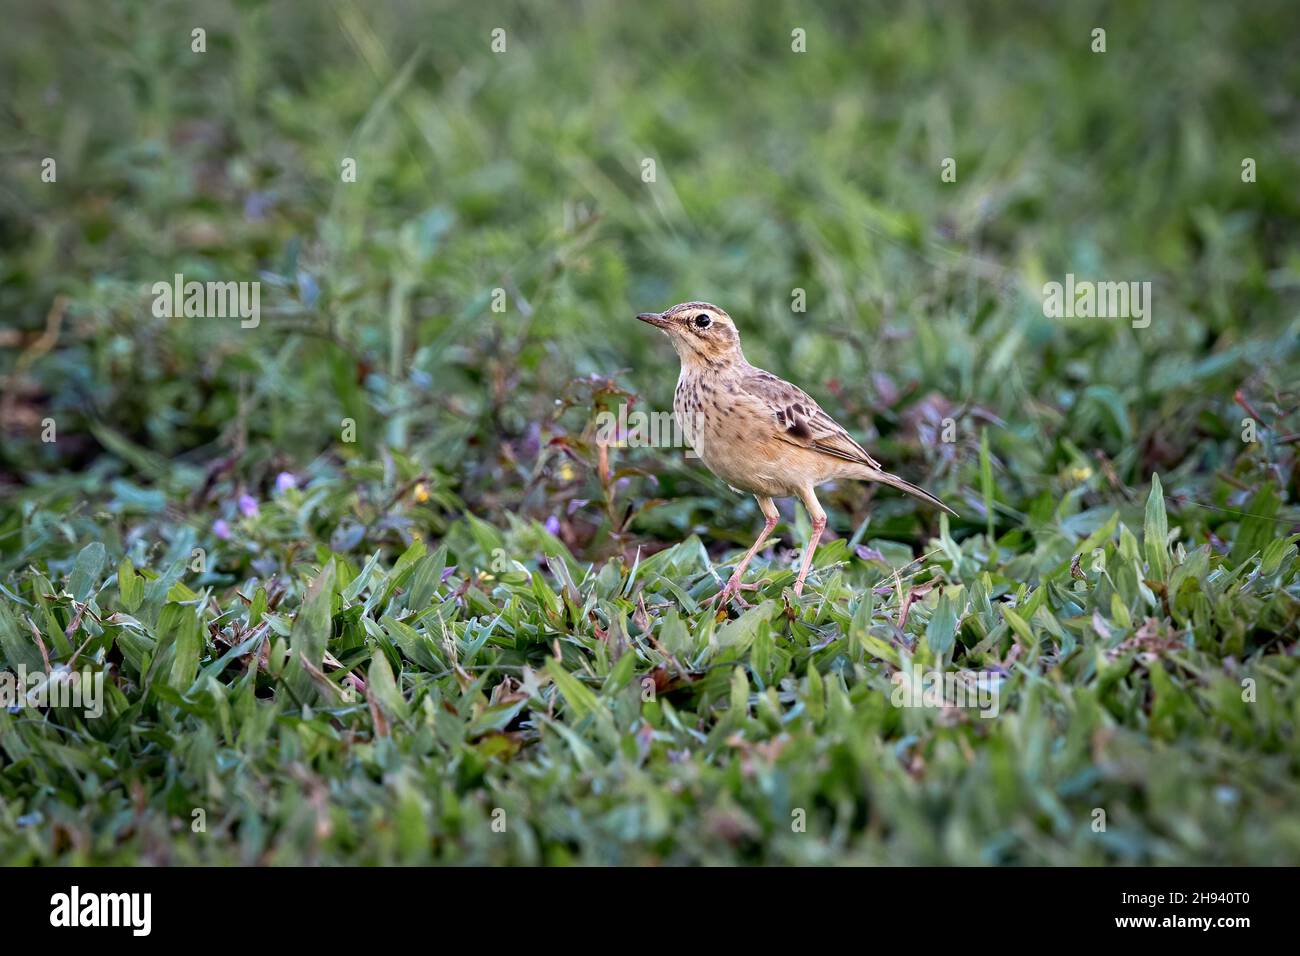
{"points": [[775, 171]]}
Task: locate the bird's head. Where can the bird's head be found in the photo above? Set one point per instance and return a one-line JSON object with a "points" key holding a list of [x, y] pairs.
{"points": [[702, 334]]}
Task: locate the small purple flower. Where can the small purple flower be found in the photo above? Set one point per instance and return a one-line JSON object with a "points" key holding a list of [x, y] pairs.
{"points": [[248, 506], [221, 529], [553, 525], [284, 481]]}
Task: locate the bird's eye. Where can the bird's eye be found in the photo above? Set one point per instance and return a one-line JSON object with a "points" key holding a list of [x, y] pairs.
{"points": [[702, 321]]}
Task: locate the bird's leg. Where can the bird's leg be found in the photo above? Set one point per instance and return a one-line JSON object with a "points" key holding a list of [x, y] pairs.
{"points": [[818, 526], [733, 587]]}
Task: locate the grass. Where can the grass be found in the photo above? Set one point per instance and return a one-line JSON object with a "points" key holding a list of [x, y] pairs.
{"points": [[461, 638]]}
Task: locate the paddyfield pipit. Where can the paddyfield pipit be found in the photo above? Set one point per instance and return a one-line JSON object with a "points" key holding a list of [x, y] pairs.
{"points": [[756, 432]]}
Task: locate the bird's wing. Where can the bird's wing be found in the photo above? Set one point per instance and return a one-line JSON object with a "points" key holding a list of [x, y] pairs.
{"points": [[800, 421]]}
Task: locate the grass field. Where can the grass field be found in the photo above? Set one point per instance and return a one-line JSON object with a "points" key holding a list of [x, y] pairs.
{"points": [[363, 587]]}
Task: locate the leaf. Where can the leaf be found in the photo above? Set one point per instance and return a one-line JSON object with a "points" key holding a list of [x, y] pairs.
{"points": [[941, 630], [673, 635], [760, 654], [382, 687], [860, 623], [488, 538], [1019, 625], [739, 633], [879, 649], [310, 634], [577, 696], [619, 675], [1271, 559], [16, 642], [188, 646], [398, 575], [1119, 613], [496, 718], [358, 584], [416, 646], [156, 591], [130, 586], [1258, 527], [257, 608], [814, 696], [739, 694], [1155, 533], [1098, 537], [86, 571], [426, 579]]}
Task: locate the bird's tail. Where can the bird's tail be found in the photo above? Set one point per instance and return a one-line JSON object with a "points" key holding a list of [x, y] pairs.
{"points": [[885, 478]]}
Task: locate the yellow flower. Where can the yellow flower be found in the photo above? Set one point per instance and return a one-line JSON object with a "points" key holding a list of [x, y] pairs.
{"points": [[421, 493]]}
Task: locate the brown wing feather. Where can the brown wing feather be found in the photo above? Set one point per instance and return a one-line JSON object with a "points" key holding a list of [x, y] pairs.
{"points": [[801, 421]]}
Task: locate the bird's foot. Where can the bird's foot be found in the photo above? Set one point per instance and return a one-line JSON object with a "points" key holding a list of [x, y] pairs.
{"points": [[731, 592]]}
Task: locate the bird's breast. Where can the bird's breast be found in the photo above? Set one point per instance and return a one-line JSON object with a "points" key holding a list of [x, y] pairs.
{"points": [[688, 411], [724, 430]]}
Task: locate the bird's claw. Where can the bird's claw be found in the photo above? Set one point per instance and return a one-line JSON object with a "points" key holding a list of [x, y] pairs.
{"points": [[731, 591]]}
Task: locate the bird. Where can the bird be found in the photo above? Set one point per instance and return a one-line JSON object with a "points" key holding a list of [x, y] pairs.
{"points": [[757, 432]]}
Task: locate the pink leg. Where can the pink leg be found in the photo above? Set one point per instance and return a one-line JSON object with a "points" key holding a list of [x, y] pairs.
{"points": [[818, 526], [733, 586]]}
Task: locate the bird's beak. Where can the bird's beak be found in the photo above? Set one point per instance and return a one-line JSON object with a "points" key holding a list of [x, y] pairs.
{"points": [[654, 318]]}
